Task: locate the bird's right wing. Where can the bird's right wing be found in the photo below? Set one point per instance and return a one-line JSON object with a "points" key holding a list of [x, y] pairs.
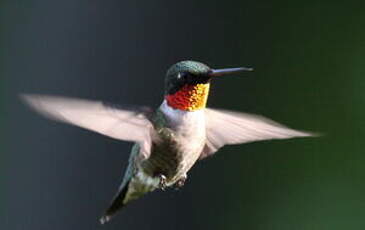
{"points": [[122, 124], [228, 128]]}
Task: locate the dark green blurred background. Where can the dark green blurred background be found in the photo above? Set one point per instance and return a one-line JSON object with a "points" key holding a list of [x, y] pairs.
{"points": [[309, 74]]}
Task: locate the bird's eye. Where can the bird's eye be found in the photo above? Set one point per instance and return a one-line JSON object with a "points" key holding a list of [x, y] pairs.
{"points": [[182, 76]]}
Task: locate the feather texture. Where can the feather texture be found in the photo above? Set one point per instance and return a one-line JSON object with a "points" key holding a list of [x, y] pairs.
{"points": [[228, 128], [122, 124]]}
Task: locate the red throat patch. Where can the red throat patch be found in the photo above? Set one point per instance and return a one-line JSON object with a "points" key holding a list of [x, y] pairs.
{"points": [[189, 97]]}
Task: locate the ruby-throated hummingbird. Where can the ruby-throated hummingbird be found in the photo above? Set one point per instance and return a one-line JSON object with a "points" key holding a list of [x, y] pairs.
{"points": [[170, 139]]}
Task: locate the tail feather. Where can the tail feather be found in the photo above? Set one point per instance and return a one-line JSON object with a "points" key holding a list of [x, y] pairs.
{"points": [[117, 203]]}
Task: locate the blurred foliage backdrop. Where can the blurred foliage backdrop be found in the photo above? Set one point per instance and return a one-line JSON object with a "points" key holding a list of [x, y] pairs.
{"points": [[309, 74]]}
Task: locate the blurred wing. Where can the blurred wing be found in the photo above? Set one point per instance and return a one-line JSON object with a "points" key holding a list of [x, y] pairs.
{"points": [[228, 128], [122, 124]]}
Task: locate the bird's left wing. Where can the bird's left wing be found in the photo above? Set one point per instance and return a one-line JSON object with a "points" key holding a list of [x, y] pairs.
{"points": [[228, 128], [109, 120]]}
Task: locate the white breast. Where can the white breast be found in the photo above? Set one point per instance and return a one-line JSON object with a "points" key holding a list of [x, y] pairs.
{"points": [[189, 128], [192, 122], [189, 131]]}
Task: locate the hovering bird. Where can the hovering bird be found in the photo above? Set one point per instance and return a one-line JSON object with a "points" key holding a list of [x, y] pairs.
{"points": [[170, 139]]}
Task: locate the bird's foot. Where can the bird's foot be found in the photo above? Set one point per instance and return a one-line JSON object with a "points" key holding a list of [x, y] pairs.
{"points": [[181, 182], [104, 219], [162, 185]]}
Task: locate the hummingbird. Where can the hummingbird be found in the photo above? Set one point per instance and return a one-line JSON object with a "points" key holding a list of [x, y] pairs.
{"points": [[168, 140]]}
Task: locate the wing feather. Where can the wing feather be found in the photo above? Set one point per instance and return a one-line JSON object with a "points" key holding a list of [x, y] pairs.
{"points": [[228, 128], [115, 122]]}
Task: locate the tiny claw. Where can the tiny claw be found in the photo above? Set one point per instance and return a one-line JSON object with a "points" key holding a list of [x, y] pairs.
{"points": [[162, 184], [181, 182], [104, 219]]}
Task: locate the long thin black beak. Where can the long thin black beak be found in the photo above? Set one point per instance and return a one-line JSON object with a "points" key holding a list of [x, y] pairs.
{"points": [[221, 72]]}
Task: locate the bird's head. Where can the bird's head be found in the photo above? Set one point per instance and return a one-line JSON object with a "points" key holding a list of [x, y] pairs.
{"points": [[187, 84]]}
